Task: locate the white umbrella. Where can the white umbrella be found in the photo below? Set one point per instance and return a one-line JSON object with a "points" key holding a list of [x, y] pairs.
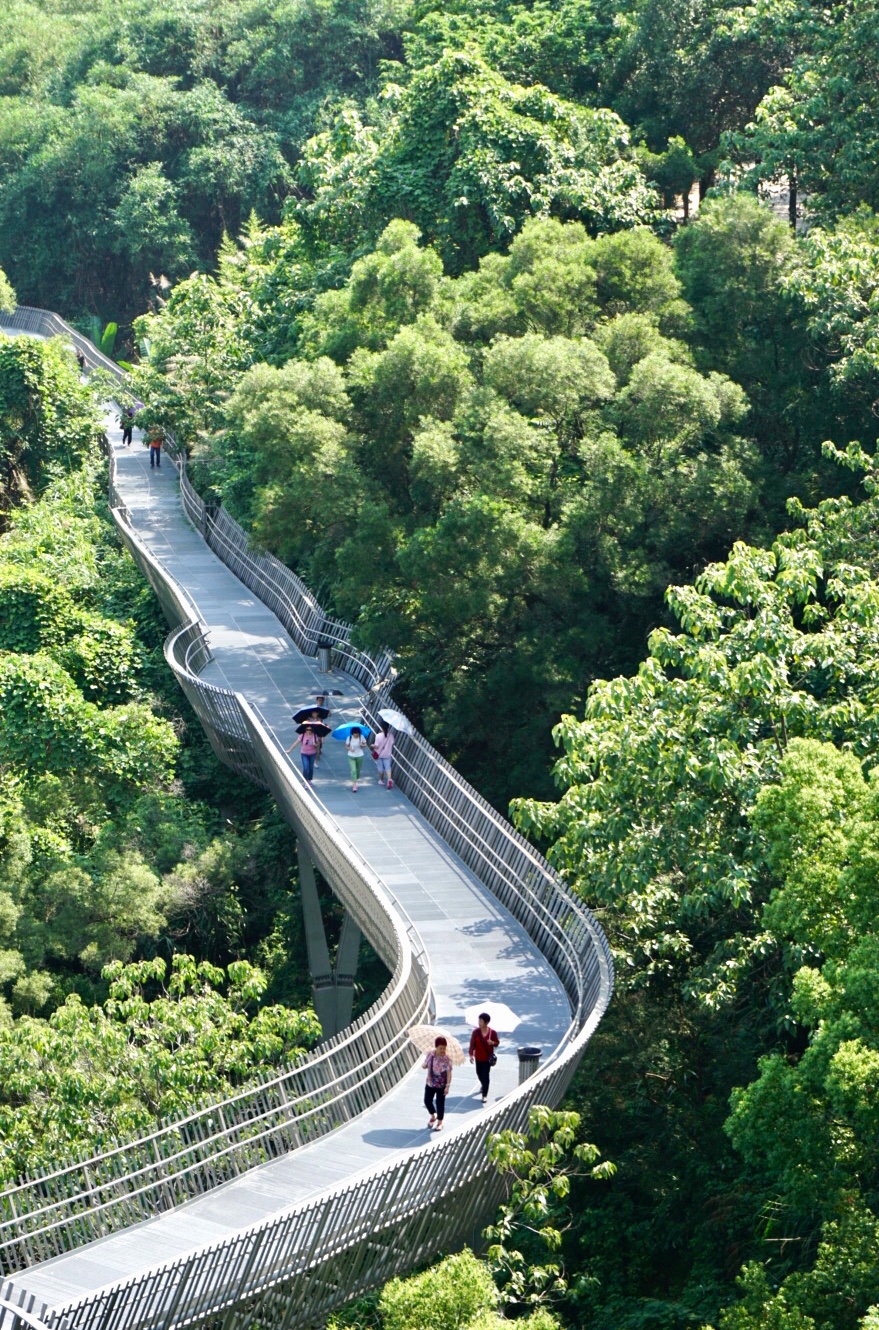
{"points": [[502, 1018], [424, 1038], [398, 720]]}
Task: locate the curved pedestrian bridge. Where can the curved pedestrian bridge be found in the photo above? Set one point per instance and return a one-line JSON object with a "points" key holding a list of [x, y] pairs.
{"points": [[322, 1181]]}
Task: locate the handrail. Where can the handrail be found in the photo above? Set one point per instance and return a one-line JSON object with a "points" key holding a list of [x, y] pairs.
{"points": [[199, 1149], [313, 1256], [20, 1314], [43, 323]]}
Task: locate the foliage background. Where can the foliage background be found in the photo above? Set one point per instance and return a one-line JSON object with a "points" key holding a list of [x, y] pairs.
{"points": [[410, 292]]}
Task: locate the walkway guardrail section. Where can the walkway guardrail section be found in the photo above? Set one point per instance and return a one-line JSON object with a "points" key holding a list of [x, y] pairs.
{"points": [[316, 1255], [98, 1194], [43, 323]]}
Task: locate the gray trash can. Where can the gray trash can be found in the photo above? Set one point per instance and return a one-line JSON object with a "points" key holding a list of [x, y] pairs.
{"points": [[529, 1061], [324, 656]]}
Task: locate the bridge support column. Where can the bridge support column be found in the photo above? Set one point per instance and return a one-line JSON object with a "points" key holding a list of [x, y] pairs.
{"points": [[332, 985]]}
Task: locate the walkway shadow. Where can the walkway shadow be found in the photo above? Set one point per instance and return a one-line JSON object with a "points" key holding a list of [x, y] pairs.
{"points": [[396, 1138], [480, 927]]}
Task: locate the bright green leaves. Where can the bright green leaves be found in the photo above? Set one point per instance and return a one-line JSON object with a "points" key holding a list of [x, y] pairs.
{"points": [[93, 1074], [196, 351], [820, 831], [684, 745], [284, 454], [45, 414], [459, 1292], [449, 1296], [387, 289], [671, 404], [469, 157], [550, 377], [423, 372], [539, 1166], [48, 726], [7, 295], [807, 822], [836, 281], [151, 233], [821, 124]]}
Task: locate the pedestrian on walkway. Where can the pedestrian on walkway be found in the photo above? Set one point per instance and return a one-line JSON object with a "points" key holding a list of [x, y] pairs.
{"points": [[483, 1042], [356, 745], [439, 1082], [126, 420], [321, 701], [308, 740], [154, 439], [381, 750], [80, 360], [319, 734]]}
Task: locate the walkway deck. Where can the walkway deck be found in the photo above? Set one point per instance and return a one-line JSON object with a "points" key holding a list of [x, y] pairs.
{"points": [[479, 955]]}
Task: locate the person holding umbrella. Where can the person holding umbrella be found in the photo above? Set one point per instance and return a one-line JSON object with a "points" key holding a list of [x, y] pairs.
{"points": [[382, 747], [308, 740], [356, 745], [438, 1084], [317, 716], [483, 1042], [323, 711]]}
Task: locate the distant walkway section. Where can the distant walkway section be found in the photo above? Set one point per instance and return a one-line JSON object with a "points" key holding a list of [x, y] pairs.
{"points": [[289, 1198]]}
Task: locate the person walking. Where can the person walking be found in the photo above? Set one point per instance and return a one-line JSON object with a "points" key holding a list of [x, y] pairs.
{"points": [[483, 1042], [381, 751], [126, 420], [154, 439], [439, 1082], [318, 735], [308, 740], [321, 700], [356, 745]]}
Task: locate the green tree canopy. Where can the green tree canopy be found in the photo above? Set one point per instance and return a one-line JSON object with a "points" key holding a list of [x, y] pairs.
{"points": [[468, 157], [167, 1039]]}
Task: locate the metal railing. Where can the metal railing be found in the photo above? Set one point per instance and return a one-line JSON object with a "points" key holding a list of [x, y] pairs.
{"points": [[98, 1194], [43, 323], [313, 1256]]}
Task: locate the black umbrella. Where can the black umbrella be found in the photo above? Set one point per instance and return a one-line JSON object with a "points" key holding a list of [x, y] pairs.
{"points": [[330, 692], [305, 713], [316, 726]]}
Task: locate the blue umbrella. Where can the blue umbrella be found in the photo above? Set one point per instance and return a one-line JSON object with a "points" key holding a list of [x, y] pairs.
{"points": [[343, 732]]}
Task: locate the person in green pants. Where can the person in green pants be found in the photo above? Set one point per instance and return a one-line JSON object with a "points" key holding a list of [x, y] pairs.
{"points": [[356, 745]]}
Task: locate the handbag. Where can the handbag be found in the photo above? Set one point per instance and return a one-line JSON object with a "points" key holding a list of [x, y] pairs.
{"points": [[492, 1061]]}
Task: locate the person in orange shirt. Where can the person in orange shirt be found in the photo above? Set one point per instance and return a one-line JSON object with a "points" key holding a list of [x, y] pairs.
{"points": [[154, 439]]}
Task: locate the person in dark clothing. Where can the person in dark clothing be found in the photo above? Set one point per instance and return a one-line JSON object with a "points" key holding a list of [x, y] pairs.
{"points": [[80, 360], [483, 1042], [127, 423]]}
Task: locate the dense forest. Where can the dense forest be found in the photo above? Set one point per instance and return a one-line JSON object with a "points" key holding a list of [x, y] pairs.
{"points": [[426, 294]]}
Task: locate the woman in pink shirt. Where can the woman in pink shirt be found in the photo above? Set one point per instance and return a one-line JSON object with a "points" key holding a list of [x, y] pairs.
{"points": [[382, 747], [439, 1082], [308, 739]]}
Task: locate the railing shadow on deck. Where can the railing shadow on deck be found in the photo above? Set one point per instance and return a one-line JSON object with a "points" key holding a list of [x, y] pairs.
{"points": [[316, 1255]]}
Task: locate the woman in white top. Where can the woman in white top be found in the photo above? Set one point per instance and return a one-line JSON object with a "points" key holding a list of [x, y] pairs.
{"points": [[356, 745], [381, 749]]}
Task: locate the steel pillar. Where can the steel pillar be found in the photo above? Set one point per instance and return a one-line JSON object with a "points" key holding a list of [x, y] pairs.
{"points": [[332, 985]]}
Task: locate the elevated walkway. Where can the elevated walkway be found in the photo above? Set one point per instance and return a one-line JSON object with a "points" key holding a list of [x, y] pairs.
{"points": [[286, 1201]]}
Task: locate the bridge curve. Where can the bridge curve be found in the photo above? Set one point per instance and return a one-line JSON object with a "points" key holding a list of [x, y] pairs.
{"points": [[387, 1209]]}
